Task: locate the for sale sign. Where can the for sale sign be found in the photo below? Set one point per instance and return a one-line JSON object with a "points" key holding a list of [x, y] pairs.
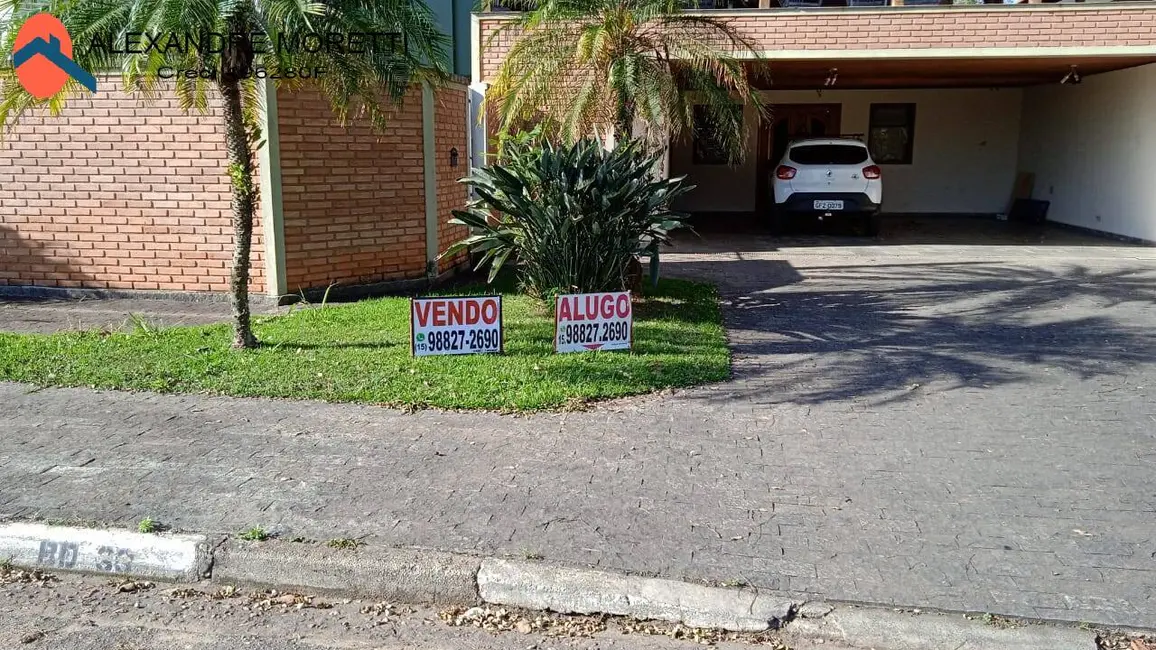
{"points": [[456, 325], [593, 321]]}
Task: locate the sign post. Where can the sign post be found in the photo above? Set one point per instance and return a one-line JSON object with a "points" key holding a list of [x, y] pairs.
{"points": [[464, 325], [593, 321]]}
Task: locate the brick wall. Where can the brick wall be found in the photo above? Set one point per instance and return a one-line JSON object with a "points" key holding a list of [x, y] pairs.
{"points": [[117, 193], [354, 198], [354, 202], [900, 28], [451, 113]]}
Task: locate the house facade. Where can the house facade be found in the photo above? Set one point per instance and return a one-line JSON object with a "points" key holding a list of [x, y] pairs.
{"points": [[123, 194], [964, 106]]}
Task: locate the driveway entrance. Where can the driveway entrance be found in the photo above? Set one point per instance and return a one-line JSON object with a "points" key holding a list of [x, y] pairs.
{"points": [[966, 418], [935, 305]]}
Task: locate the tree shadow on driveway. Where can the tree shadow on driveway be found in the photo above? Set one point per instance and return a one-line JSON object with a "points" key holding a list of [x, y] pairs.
{"points": [[880, 331]]}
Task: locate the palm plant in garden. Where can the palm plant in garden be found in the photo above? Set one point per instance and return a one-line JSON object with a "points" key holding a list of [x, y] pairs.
{"points": [[264, 39], [573, 217], [586, 67]]}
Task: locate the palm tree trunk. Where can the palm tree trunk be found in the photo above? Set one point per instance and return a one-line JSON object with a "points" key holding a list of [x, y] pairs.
{"points": [[624, 123], [243, 204]]}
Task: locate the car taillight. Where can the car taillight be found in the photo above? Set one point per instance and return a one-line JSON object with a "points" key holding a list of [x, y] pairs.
{"points": [[872, 172], [785, 173]]}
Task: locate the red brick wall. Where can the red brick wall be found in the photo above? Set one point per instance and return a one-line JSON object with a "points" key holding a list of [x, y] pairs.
{"points": [[118, 193], [899, 28], [354, 202], [354, 198], [451, 113]]}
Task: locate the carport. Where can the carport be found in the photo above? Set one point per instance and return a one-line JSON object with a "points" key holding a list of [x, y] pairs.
{"points": [[955, 135]]}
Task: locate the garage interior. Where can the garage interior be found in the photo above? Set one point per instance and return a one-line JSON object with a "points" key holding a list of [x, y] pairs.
{"points": [[1075, 132]]}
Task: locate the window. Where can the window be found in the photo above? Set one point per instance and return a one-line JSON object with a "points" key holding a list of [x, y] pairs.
{"points": [[829, 154], [709, 149], [892, 133]]}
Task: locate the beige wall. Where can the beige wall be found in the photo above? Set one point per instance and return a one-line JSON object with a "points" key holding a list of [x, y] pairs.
{"points": [[964, 161], [1092, 148]]}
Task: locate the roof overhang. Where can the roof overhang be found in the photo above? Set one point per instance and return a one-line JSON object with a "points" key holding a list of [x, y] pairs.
{"points": [[860, 72]]}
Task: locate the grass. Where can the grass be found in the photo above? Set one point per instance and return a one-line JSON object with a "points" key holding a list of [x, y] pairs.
{"points": [[360, 353], [148, 525], [254, 534]]}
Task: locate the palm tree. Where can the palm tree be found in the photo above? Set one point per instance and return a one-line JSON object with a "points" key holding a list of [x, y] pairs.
{"points": [[585, 67], [384, 46]]}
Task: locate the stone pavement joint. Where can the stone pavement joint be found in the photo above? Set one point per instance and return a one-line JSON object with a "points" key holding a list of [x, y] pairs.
{"points": [[966, 428]]}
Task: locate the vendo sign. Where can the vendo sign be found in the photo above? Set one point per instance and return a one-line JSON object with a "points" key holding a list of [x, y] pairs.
{"points": [[455, 325], [593, 321]]}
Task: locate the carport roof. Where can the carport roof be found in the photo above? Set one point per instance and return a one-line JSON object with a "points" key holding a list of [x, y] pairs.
{"points": [[986, 72]]}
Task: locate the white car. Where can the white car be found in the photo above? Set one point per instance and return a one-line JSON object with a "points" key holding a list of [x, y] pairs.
{"points": [[825, 177]]}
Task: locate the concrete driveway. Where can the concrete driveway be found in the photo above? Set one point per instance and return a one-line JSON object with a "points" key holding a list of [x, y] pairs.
{"points": [[981, 401], [930, 307]]}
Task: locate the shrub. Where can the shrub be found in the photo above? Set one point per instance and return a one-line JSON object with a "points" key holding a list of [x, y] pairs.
{"points": [[573, 218]]}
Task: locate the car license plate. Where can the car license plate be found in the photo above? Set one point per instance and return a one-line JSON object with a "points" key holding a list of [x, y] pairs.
{"points": [[828, 205]]}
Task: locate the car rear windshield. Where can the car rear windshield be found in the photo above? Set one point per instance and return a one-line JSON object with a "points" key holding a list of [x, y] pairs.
{"points": [[829, 154]]}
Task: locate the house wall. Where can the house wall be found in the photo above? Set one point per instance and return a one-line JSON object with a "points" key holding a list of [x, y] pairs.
{"points": [[964, 159], [453, 19], [353, 199], [118, 193], [451, 120], [1092, 148], [837, 32]]}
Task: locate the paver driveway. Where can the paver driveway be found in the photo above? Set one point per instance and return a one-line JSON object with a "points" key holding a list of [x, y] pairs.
{"points": [[956, 425]]}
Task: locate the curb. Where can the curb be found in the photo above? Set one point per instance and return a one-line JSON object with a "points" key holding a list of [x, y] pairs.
{"points": [[437, 577], [584, 591], [405, 575], [181, 558], [891, 630]]}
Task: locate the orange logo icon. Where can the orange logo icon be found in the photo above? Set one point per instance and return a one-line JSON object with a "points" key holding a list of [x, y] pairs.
{"points": [[42, 57]]}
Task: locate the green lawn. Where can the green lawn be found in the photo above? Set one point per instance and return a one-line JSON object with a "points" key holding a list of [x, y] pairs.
{"points": [[360, 353]]}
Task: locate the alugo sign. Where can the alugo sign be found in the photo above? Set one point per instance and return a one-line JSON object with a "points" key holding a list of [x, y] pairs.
{"points": [[456, 325], [593, 321]]}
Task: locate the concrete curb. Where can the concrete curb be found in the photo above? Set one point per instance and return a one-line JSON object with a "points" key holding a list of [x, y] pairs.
{"points": [[424, 576], [891, 630], [584, 591], [183, 558], [405, 575]]}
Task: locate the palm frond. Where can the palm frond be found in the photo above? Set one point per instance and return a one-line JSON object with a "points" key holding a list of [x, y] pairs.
{"points": [[599, 66]]}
